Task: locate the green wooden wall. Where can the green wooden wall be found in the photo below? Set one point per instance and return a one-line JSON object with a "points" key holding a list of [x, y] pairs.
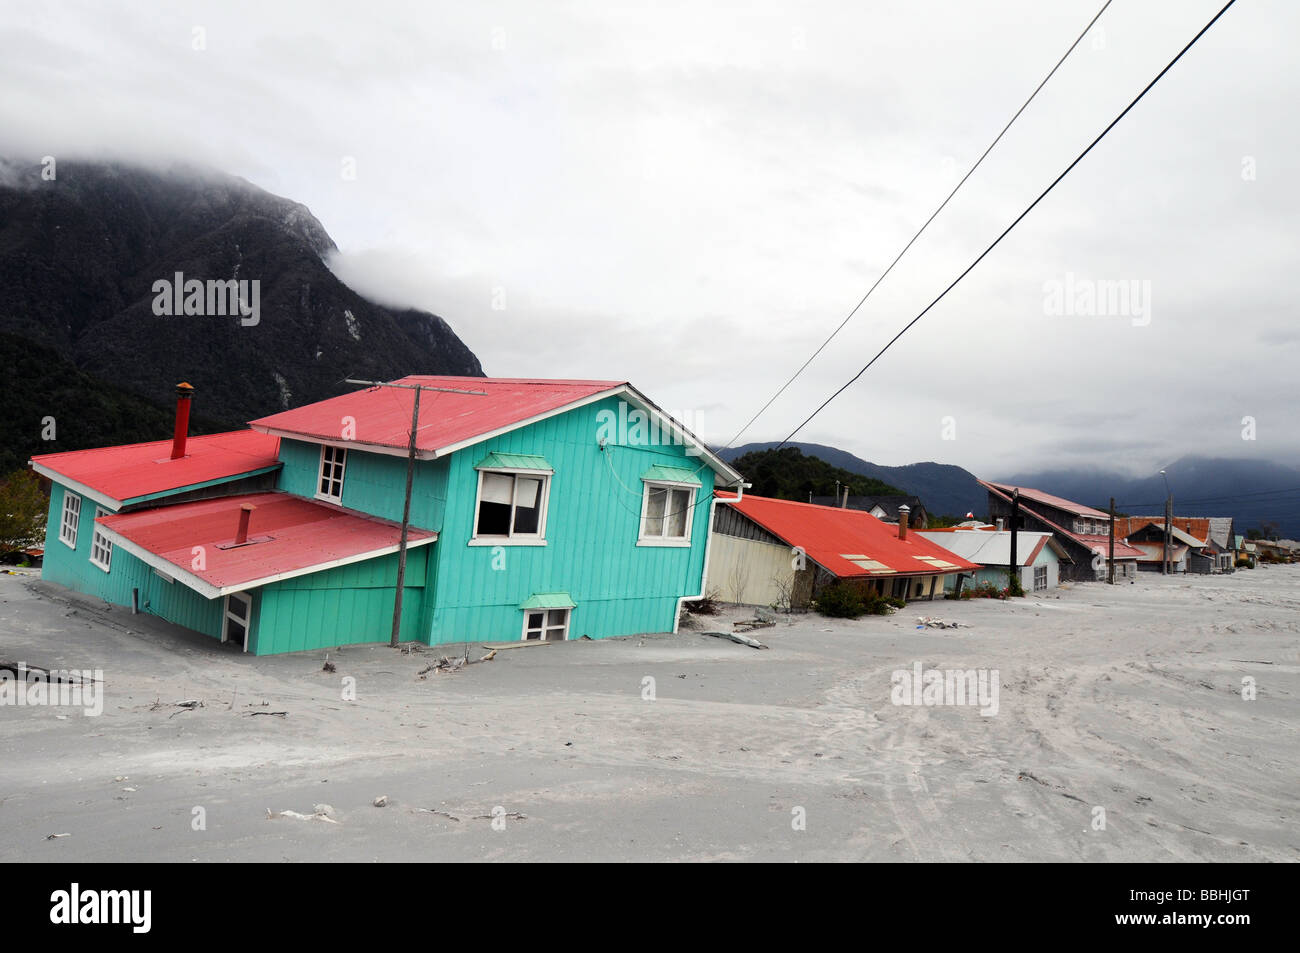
{"points": [[591, 533], [72, 568], [373, 483], [346, 605]]}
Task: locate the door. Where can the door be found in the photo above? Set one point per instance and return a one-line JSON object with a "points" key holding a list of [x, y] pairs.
{"points": [[237, 617]]}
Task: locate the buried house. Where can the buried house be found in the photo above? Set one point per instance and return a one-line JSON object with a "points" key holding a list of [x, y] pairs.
{"points": [[1083, 533], [1038, 556], [539, 510], [779, 552]]}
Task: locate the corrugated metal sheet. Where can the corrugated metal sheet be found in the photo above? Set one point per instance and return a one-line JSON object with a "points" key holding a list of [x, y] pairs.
{"points": [[849, 543], [145, 469], [990, 548], [302, 535], [548, 600], [1038, 496], [513, 461], [668, 474], [382, 415]]}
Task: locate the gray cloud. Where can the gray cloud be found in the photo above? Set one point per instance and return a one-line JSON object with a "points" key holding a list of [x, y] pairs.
{"points": [[691, 196]]}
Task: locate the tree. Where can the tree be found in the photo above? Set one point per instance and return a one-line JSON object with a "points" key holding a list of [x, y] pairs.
{"points": [[23, 506]]}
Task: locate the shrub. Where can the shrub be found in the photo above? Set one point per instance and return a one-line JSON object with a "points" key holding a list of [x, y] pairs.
{"points": [[840, 601], [848, 600]]}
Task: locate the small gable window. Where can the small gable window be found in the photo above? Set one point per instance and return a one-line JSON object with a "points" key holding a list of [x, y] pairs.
{"points": [[329, 485]]}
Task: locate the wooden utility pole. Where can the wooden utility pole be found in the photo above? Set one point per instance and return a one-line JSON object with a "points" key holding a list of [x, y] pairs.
{"points": [[406, 523], [1015, 519], [1110, 569], [410, 478]]}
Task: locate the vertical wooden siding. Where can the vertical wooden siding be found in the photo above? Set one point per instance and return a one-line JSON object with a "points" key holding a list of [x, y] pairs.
{"points": [[592, 527]]}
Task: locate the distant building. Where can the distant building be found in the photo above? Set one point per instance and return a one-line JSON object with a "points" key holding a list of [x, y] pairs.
{"points": [[884, 508], [1083, 532], [1038, 555]]}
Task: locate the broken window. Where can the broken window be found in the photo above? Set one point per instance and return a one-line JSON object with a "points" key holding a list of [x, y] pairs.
{"points": [[511, 505]]}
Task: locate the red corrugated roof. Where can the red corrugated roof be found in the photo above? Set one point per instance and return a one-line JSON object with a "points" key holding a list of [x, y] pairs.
{"points": [[382, 415], [1196, 526], [305, 535], [829, 535], [1038, 496], [144, 469]]}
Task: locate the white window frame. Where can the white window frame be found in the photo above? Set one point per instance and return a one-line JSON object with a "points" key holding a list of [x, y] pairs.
{"points": [[70, 519], [1037, 587], [513, 538], [247, 621], [101, 543], [682, 541], [320, 473], [546, 626]]}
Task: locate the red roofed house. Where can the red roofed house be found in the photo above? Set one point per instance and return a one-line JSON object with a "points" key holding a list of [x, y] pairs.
{"points": [[1083, 532], [539, 510], [764, 551]]}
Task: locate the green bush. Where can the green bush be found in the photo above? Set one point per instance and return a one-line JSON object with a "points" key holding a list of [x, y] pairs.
{"points": [[849, 600]]}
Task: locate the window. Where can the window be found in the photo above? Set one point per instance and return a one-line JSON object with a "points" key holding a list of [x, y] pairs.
{"points": [[239, 607], [101, 548], [666, 515], [329, 486], [1040, 578], [511, 506], [546, 625], [71, 518]]}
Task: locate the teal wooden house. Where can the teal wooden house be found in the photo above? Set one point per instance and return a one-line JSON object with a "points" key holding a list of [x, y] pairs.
{"points": [[539, 510]]}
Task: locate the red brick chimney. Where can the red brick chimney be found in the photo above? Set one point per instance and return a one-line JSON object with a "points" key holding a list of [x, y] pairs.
{"points": [[183, 394], [903, 512], [245, 511]]}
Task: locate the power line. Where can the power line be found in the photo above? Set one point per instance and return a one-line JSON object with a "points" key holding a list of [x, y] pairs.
{"points": [[1237, 497], [923, 227], [971, 267]]}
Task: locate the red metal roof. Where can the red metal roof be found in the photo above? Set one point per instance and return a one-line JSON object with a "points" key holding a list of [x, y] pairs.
{"points": [[1038, 496], [830, 535], [1097, 542], [1196, 526], [304, 536], [145, 469], [381, 416]]}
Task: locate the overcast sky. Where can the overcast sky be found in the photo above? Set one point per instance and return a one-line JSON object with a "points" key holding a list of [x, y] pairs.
{"points": [[692, 196]]}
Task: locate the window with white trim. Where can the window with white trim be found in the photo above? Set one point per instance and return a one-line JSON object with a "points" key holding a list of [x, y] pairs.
{"points": [[546, 625], [101, 547], [71, 519], [666, 511], [329, 483], [511, 506], [1040, 578]]}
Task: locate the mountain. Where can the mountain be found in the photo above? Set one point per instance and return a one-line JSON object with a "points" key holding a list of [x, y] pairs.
{"points": [[944, 489], [81, 257], [787, 474], [1250, 491]]}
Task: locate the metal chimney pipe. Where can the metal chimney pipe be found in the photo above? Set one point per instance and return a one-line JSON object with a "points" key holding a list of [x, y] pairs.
{"points": [[184, 392], [903, 512], [245, 511]]}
